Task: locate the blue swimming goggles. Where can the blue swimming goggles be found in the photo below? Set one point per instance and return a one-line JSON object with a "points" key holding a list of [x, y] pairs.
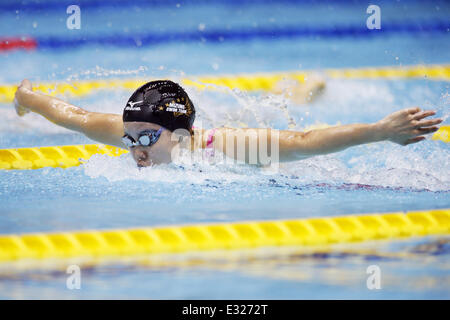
{"points": [[146, 138]]}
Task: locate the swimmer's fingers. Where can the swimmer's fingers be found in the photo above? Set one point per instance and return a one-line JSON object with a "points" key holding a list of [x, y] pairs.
{"points": [[26, 84], [21, 111], [426, 130], [412, 110], [414, 140], [427, 123], [423, 114]]}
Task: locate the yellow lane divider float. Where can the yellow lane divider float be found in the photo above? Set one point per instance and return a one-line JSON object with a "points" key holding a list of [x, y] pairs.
{"points": [[240, 235], [247, 82], [442, 134], [58, 156], [268, 82], [70, 156]]}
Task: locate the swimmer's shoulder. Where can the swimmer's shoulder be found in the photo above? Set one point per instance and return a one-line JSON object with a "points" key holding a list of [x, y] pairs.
{"points": [[205, 137]]}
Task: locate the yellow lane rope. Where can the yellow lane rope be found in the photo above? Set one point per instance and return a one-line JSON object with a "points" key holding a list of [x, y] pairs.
{"points": [[269, 81], [58, 156], [442, 134], [247, 82], [240, 235], [69, 156]]}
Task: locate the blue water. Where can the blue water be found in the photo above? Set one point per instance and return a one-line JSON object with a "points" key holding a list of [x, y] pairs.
{"points": [[113, 193]]}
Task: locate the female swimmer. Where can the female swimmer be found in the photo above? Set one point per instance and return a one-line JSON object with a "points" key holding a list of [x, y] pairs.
{"points": [[158, 108]]}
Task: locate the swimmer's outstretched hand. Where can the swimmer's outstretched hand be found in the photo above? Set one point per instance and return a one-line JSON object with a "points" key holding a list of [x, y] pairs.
{"points": [[24, 85], [408, 125]]}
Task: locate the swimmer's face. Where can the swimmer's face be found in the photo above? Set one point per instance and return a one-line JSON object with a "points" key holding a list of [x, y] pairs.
{"points": [[158, 153]]}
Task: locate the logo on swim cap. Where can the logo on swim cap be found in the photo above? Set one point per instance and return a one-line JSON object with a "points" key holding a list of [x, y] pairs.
{"points": [[130, 106], [162, 102]]}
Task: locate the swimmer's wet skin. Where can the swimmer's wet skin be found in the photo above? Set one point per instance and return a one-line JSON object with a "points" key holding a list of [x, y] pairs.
{"points": [[164, 104]]}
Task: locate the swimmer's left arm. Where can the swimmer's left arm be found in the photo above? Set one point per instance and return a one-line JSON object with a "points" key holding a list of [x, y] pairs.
{"points": [[301, 145], [257, 146], [403, 127]]}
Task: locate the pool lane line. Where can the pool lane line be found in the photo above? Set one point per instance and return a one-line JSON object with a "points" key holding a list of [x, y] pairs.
{"points": [[309, 232], [245, 34], [73, 155], [245, 82], [15, 43], [29, 6]]}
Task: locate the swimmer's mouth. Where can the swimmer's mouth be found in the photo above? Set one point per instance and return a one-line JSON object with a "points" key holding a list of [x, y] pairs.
{"points": [[143, 164]]}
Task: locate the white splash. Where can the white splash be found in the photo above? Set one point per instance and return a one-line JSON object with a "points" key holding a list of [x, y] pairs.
{"points": [[189, 168]]}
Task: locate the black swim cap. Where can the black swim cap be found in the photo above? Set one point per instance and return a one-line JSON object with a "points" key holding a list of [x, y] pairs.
{"points": [[163, 102]]}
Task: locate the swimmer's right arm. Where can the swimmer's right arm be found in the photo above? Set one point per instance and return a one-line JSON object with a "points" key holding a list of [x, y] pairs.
{"points": [[102, 127]]}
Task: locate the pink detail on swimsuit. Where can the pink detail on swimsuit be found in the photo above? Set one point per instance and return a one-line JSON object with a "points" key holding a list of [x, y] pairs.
{"points": [[209, 143], [210, 140]]}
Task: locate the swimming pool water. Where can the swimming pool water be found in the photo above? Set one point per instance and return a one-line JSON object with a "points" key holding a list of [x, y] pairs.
{"points": [[113, 193]]}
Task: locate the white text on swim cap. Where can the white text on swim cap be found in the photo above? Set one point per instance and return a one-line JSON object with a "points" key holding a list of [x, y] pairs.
{"points": [[176, 107]]}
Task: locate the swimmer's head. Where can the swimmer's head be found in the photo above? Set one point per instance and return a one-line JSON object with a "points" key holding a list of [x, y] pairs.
{"points": [[157, 104], [162, 102]]}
